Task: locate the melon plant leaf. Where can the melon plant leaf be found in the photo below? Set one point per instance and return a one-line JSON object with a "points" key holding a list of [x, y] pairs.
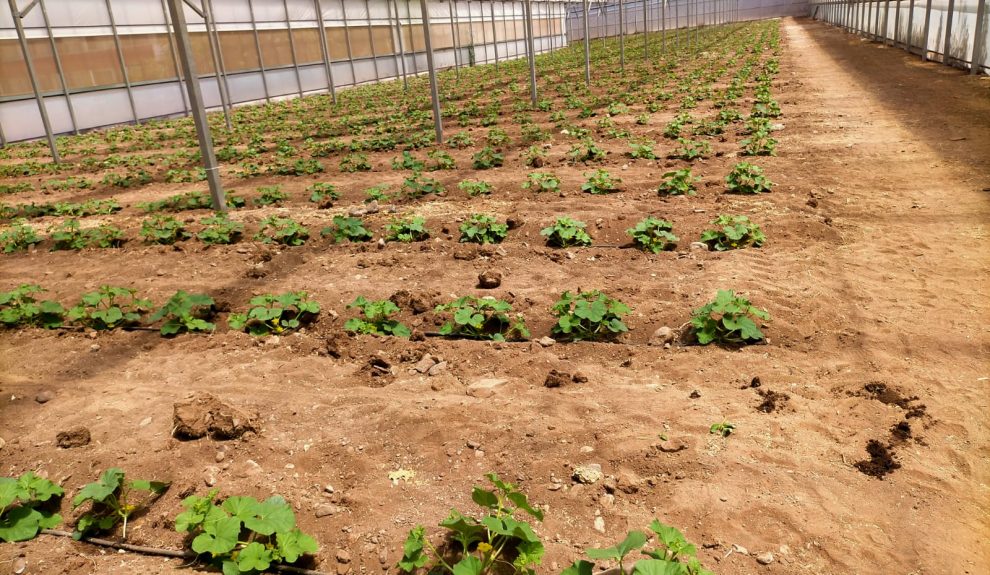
{"points": [[220, 538], [579, 567], [243, 508], [412, 550], [254, 557], [634, 540], [273, 515], [98, 491], [19, 524], [294, 544], [469, 565], [484, 498], [659, 567]]}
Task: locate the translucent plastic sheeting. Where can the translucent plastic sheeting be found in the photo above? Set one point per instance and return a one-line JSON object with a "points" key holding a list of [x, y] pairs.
{"points": [[903, 24], [366, 52]]}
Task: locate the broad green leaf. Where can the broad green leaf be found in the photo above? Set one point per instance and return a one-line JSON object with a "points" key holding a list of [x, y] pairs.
{"points": [[484, 498], [634, 540], [273, 516], [108, 483], [243, 508], [254, 557], [294, 544], [19, 524], [659, 567], [469, 565], [221, 540], [580, 567], [413, 557], [152, 486], [8, 491], [522, 502]]}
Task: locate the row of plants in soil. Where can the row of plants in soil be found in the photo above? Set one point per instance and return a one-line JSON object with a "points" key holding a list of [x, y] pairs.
{"points": [[273, 134], [743, 178], [580, 316], [242, 535]]}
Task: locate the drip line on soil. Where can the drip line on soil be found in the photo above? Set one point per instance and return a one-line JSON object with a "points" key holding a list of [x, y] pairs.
{"points": [[168, 552]]}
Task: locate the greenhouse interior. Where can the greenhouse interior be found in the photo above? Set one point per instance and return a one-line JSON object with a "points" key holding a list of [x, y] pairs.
{"points": [[486, 287]]}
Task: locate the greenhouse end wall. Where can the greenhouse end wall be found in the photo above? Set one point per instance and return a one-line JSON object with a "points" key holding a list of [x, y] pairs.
{"points": [[269, 49]]}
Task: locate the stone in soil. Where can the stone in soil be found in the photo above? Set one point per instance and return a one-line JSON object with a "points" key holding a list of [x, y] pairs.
{"points": [[489, 279], [557, 379], [661, 336], [764, 558], [204, 415], [75, 437], [588, 474], [483, 388], [44, 396]]}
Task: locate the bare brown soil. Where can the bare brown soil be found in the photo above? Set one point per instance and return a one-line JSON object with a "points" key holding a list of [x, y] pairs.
{"points": [[880, 277]]}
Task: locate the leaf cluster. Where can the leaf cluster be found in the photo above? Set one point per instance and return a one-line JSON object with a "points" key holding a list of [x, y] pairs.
{"points": [[20, 307], [275, 313], [482, 318], [108, 308], [113, 499], [347, 228], [279, 230], [185, 312], [483, 229], [28, 504], [566, 232], [411, 229], [728, 320], [653, 235], [376, 318], [735, 232], [588, 315]]}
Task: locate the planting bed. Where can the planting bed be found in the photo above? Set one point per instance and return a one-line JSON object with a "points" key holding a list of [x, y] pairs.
{"points": [[860, 438]]}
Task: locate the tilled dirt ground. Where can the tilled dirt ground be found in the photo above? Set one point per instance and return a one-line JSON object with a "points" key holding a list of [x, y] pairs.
{"points": [[863, 449]]}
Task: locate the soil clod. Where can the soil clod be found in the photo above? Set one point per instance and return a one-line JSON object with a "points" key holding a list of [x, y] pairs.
{"points": [[75, 437], [881, 461], [204, 415], [772, 400]]}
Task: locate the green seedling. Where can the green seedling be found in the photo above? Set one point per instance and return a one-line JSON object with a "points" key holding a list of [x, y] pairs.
{"points": [[113, 500]]}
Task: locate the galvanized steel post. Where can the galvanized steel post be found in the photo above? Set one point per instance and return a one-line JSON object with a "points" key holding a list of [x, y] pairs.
{"points": [[928, 20], [120, 61], [58, 68], [175, 59], [324, 50], [531, 49], [948, 33], [587, 47], [214, 41], [196, 101], [979, 38], [19, 26], [434, 90]]}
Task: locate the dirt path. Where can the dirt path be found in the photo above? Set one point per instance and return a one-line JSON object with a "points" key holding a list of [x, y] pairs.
{"points": [[902, 156], [875, 272]]}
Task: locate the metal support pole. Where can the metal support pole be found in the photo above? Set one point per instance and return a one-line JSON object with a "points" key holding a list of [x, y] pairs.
{"points": [[347, 42], [19, 25], [196, 100], [886, 21], [292, 48], [371, 37], [324, 50], [531, 50], [928, 20], [120, 61], [948, 33], [257, 49], [175, 59], [646, 41], [434, 90], [587, 47], [897, 23], [494, 33], [412, 39], [58, 68], [910, 28], [979, 38], [402, 50], [217, 65], [455, 32], [472, 60], [622, 39]]}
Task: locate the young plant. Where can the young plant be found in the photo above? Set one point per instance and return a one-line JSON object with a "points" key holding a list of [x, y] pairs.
{"points": [[600, 182], [417, 186], [689, 150], [377, 193], [323, 194], [723, 428], [18, 236], [109, 308], [566, 232], [728, 320], [69, 236], [588, 316], [480, 546], [28, 504], [112, 500], [275, 313], [487, 158], [408, 162], [642, 151], [482, 318], [347, 228], [535, 157], [746, 178], [162, 229], [678, 183], [279, 230], [243, 535], [497, 137], [20, 307], [586, 151], [441, 160], [735, 232], [460, 140], [355, 163], [220, 229], [759, 143], [376, 318], [653, 235], [475, 187], [483, 229], [412, 229], [185, 312], [542, 182], [674, 555], [270, 196]]}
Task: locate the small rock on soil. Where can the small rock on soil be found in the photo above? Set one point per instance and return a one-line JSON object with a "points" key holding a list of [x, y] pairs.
{"points": [[75, 437]]}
